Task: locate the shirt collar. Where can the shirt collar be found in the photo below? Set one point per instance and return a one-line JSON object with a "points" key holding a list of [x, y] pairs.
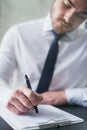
{"points": [[71, 35], [47, 27]]}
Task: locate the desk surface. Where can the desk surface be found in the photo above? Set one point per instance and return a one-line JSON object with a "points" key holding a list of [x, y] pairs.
{"points": [[78, 111]]}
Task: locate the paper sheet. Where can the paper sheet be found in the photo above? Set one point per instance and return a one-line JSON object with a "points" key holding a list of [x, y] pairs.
{"points": [[46, 114]]}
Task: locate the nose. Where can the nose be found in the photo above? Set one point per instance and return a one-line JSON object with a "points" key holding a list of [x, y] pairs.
{"points": [[69, 16]]}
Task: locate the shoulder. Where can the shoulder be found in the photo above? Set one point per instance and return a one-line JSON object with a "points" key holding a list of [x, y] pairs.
{"points": [[29, 25], [23, 28], [9, 36], [25, 25]]}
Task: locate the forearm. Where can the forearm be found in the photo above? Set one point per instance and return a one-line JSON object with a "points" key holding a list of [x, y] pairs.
{"points": [[73, 96], [57, 97]]}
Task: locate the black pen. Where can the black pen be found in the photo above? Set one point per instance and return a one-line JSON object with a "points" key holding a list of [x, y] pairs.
{"points": [[29, 86]]}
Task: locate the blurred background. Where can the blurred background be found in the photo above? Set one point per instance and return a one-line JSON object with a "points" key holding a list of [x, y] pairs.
{"points": [[16, 11]]}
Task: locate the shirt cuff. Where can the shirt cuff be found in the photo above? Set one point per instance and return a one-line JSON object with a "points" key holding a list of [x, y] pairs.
{"points": [[75, 96], [5, 95]]}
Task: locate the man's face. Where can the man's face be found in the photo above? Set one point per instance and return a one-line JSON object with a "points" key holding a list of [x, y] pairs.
{"points": [[66, 15]]}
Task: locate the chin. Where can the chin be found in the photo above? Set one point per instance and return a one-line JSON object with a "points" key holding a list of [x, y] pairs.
{"points": [[60, 30]]}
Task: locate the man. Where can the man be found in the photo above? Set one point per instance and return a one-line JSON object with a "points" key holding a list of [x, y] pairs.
{"points": [[25, 48]]}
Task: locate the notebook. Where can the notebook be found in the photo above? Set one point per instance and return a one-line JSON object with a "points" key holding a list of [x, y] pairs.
{"points": [[48, 117]]}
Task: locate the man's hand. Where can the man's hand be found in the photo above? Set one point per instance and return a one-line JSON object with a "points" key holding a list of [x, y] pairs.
{"points": [[23, 100], [54, 97]]}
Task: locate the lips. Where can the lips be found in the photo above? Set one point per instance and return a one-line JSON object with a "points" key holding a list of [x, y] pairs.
{"points": [[62, 22]]}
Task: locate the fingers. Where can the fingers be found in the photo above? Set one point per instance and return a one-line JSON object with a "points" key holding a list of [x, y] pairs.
{"points": [[12, 108], [16, 107], [18, 103], [33, 97], [23, 100]]}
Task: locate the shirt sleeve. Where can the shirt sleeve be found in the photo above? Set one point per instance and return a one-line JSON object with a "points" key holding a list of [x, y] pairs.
{"points": [[77, 96], [7, 64]]}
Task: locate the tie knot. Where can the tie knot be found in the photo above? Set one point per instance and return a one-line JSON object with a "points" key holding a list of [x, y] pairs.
{"points": [[56, 35]]}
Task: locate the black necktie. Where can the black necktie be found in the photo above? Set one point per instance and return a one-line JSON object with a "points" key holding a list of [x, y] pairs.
{"points": [[49, 65]]}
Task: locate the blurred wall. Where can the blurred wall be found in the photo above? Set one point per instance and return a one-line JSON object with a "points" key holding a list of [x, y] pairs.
{"points": [[16, 11]]}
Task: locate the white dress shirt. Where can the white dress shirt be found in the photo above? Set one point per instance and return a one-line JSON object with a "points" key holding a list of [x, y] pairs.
{"points": [[24, 49]]}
